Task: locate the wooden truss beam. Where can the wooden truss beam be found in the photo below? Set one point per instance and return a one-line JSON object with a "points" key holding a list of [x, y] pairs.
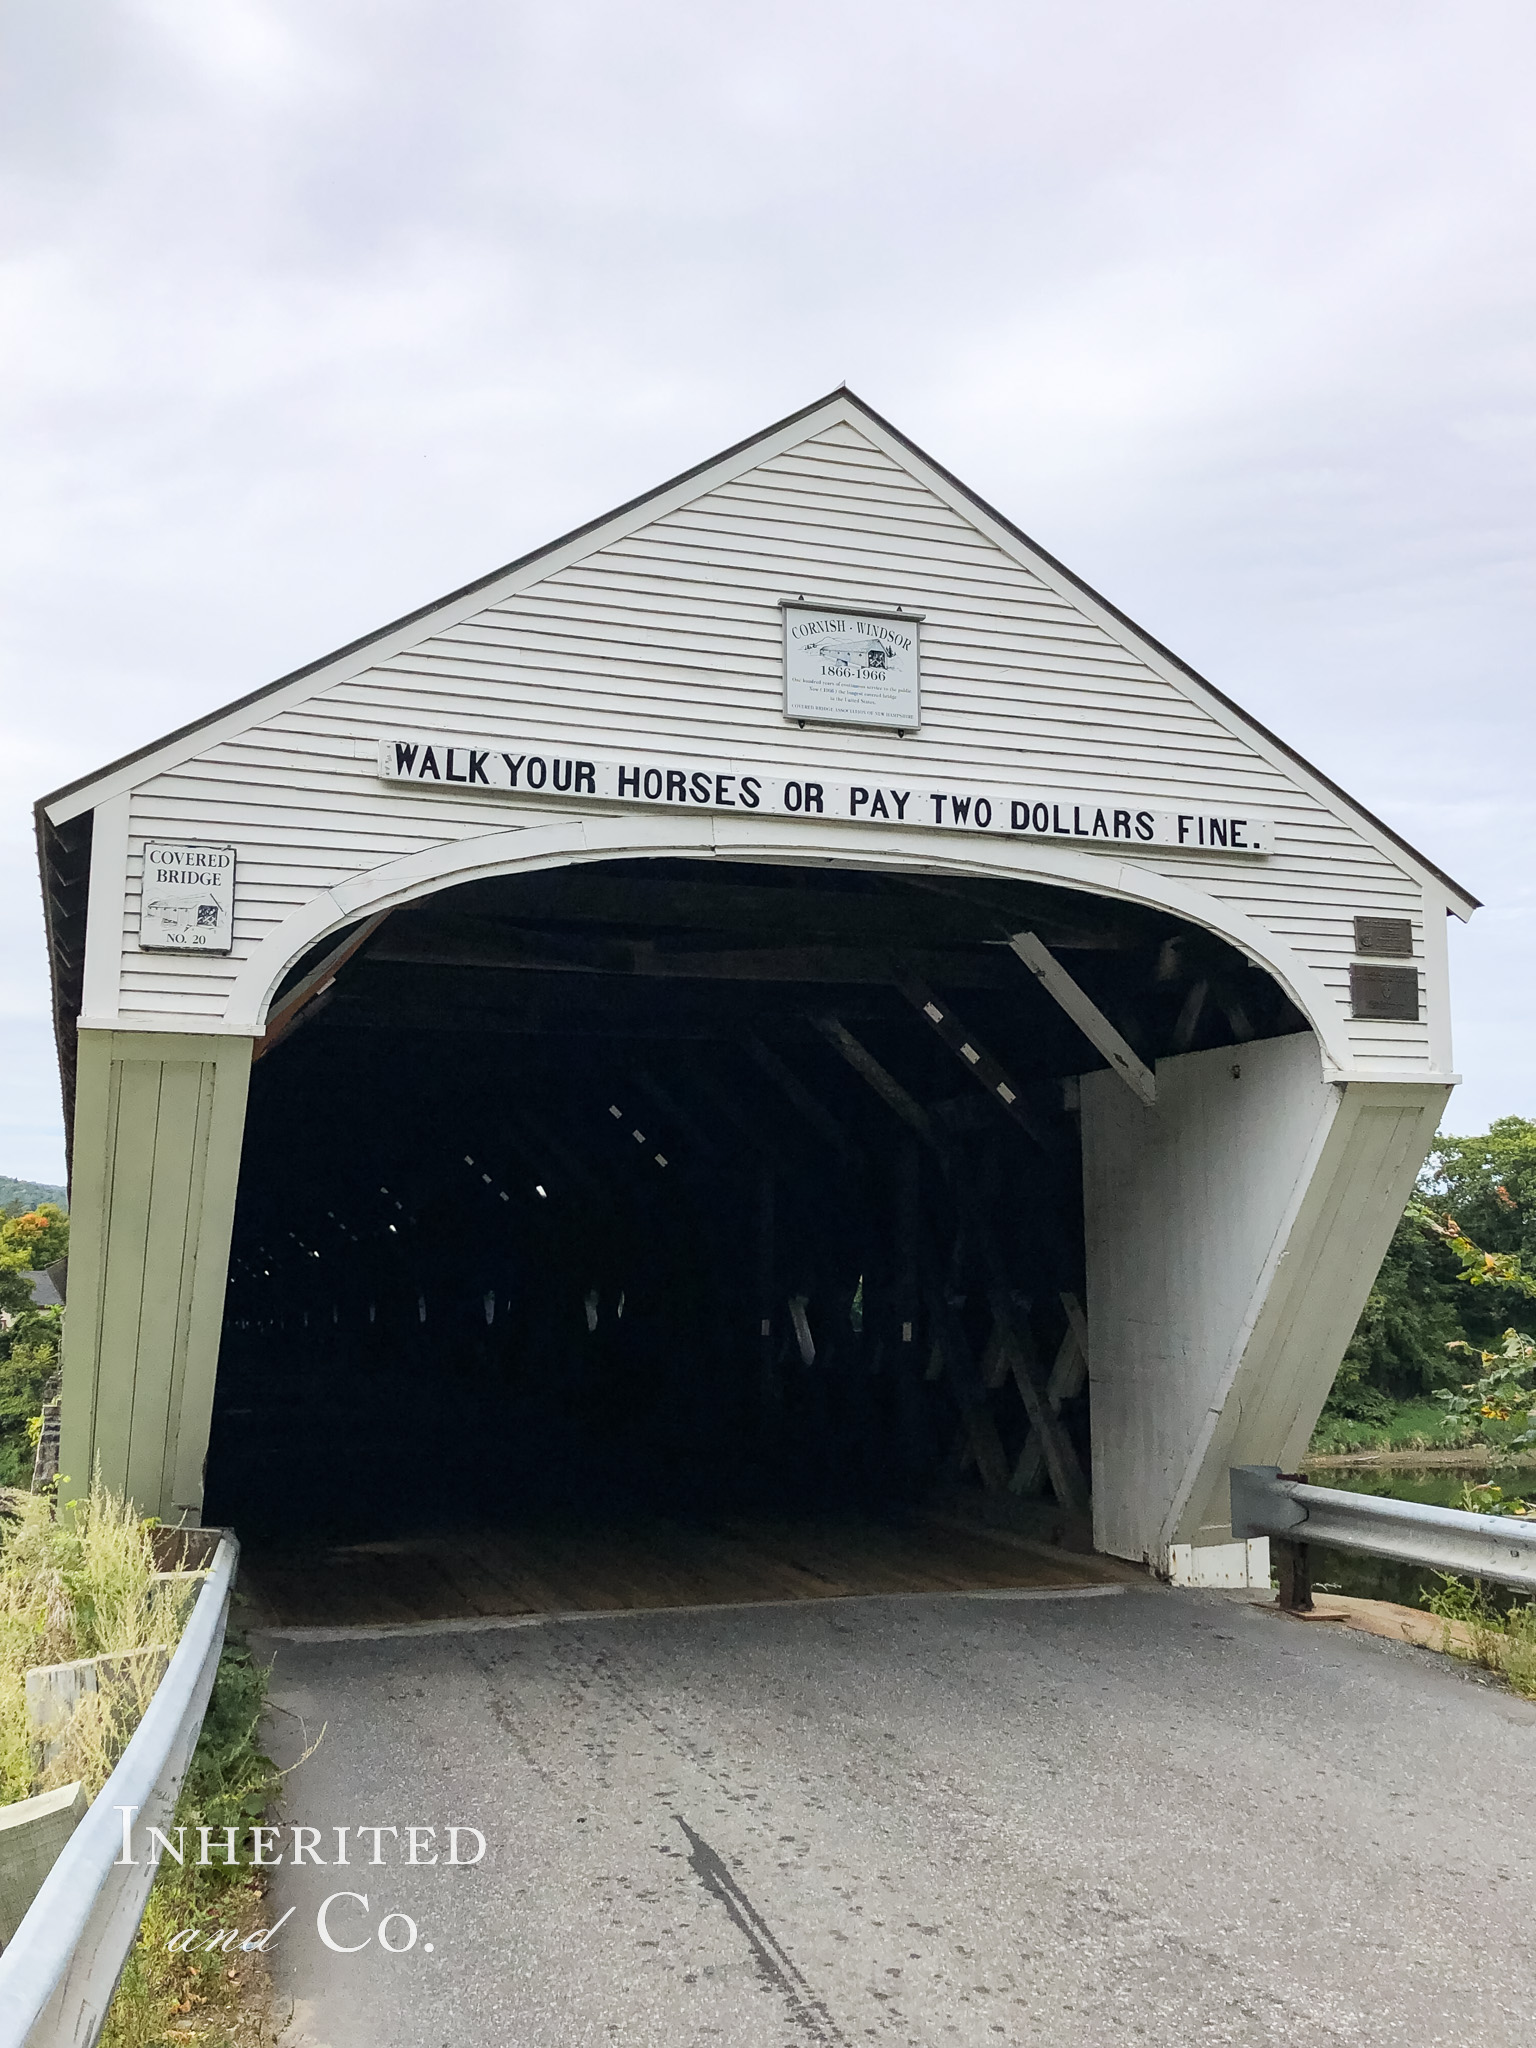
{"points": [[885, 1085], [486, 944], [1086, 1015], [790, 1085], [1056, 1448], [315, 986], [968, 1387], [763, 1142], [917, 913], [1068, 1373], [536, 1139], [988, 1073], [702, 1143]]}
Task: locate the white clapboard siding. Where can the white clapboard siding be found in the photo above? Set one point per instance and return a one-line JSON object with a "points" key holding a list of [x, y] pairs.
{"points": [[666, 638]]}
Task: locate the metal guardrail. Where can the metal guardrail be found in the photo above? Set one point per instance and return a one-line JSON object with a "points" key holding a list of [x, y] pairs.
{"points": [[58, 1974], [1267, 1503]]}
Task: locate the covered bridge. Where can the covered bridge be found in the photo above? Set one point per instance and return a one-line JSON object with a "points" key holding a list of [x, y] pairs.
{"points": [[782, 995]]}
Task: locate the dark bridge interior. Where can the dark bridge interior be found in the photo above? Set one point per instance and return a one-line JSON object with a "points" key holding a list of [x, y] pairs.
{"points": [[682, 1186]]}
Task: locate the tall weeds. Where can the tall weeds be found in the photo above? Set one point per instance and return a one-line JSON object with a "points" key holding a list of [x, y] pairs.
{"points": [[82, 1584], [1499, 1639]]}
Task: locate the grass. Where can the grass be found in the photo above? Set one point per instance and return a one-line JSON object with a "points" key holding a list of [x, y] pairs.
{"points": [[1412, 1426]]}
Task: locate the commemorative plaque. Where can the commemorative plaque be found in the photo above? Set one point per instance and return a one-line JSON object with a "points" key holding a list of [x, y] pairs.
{"points": [[851, 667]]}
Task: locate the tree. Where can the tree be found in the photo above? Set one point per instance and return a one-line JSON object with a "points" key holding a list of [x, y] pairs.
{"points": [[1455, 1279], [1487, 1184], [34, 1239], [31, 1336], [1400, 1348], [1504, 1392]]}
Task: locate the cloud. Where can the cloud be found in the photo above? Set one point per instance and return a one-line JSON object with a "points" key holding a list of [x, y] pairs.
{"points": [[309, 313]]}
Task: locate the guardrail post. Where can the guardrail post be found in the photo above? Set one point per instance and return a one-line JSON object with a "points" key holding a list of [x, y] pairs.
{"points": [[1293, 1564]]}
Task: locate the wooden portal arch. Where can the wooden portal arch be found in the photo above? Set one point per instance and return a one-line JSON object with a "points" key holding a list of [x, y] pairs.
{"points": [[532, 847]]}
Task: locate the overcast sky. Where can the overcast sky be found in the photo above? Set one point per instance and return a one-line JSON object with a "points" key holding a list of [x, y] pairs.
{"points": [[314, 309]]}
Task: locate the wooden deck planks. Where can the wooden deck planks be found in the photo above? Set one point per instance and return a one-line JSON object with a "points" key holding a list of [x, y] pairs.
{"points": [[576, 1568]]}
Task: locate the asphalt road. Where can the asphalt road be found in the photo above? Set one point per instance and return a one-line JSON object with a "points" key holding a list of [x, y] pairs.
{"points": [[1161, 1817]]}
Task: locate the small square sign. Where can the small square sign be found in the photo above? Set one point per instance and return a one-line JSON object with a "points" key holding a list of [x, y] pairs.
{"points": [[851, 667], [188, 905]]}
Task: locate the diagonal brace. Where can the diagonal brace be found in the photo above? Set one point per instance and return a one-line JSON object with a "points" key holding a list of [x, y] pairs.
{"points": [[989, 1073], [885, 1085], [1086, 1015]]}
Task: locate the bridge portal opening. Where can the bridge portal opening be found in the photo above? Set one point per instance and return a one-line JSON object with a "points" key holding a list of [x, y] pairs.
{"points": [[683, 1187]]}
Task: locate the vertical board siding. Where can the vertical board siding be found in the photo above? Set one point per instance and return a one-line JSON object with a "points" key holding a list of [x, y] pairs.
{"points": [[151, 1240], [1232, 1236], [1332, 1251], [668, 638], [170, 1198], [135, 1112], [1182, 1207], [1387, 1144]]}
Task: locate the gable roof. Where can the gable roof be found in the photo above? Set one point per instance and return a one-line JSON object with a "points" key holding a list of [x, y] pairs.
{"points": [[76, 797]]}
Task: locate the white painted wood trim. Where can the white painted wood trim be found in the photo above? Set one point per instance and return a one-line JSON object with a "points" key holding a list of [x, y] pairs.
{"points": [[1218, 1564], [1437, 978], [102, 980], [1086, 1015]]}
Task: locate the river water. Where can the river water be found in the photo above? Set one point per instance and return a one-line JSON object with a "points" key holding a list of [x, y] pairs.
{"points": [[1380, 1578]]}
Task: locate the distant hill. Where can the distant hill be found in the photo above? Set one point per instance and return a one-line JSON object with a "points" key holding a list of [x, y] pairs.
{"points": [[26, 1194]]}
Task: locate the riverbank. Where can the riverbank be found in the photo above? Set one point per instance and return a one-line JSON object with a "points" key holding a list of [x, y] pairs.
{"points": [[1469, 1457]]}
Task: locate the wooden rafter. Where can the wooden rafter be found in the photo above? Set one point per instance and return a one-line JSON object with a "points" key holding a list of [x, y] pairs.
{"points": [[918, 913], [885, 1084], [988, 1072], [1086, 1015]]}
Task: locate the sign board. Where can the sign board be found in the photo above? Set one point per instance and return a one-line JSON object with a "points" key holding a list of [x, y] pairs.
{"points": [[188, 904], [851, 667], [1115, 819]]}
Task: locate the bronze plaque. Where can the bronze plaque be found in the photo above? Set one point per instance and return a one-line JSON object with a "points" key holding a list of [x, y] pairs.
{"points": [[1384, 938], [1389, 992]]}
